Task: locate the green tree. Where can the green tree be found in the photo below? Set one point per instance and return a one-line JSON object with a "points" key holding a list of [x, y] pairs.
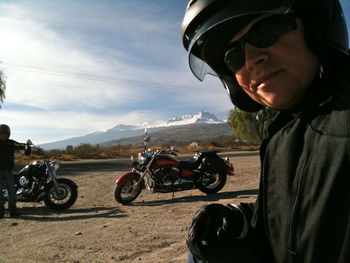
{"points": [[69, 149], [265, 117], [250, 126], [84, 150]]}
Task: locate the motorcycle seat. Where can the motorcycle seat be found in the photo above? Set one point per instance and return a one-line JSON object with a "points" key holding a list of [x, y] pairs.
{"points": [[208, 153], [189, 164]]}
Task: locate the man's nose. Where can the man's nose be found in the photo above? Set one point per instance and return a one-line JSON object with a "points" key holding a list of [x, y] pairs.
{"points": [[255, 56]]}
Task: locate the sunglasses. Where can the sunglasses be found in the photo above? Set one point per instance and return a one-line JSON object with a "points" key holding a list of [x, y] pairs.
{"points": [[262, 34]]}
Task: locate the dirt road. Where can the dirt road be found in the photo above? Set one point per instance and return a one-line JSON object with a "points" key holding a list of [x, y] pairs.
{"points": [[97, 229]]}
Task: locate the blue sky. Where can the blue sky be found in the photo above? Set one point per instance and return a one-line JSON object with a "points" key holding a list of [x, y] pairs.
{"points": [[74, 67]]}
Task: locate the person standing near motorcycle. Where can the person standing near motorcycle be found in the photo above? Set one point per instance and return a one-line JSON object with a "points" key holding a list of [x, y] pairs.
{"points": [[7, 156], [293, 56]]}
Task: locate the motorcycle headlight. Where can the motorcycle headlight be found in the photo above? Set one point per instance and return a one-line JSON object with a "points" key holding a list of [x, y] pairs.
{"points": [[142, 158], [55, 165]]}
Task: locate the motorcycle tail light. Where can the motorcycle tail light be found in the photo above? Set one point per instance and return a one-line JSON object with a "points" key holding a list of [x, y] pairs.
{"points": [[230, 169]]}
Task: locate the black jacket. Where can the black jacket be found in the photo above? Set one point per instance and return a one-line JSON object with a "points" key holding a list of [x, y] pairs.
{"points": [[303, 206], [7, 153]]}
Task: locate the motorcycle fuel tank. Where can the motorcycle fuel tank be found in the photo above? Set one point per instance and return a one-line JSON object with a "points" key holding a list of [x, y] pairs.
{"points": [[165, 161], [34, 169]]}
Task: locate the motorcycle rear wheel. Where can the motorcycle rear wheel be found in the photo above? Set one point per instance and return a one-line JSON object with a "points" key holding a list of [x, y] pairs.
{"points": [[66, 196], [216, 186], [126, 193]]}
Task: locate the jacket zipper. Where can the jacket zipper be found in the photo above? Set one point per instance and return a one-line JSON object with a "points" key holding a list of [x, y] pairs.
{"points": [[291, 245], [264, 203]]}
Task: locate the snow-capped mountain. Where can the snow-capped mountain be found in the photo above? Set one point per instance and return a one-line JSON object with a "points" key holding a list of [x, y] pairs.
{"points": [[126, 131], [200, 117], [122, 127]]}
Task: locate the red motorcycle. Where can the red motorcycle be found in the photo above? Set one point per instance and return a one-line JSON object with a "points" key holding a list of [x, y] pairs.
{"points": [[161, 172]]}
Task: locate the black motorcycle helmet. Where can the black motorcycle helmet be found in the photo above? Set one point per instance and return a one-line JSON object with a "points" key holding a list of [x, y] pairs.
{"points": [[208, 26], [4, 129]]}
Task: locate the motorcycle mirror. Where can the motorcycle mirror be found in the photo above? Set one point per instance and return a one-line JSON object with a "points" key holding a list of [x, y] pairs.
{"points": [[147, 137], [173, 149], [36, 149]]}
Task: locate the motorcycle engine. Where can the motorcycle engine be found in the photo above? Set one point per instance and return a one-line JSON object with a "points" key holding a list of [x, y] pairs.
{"points": [[166, 176], [24, 181], [26, 185]]}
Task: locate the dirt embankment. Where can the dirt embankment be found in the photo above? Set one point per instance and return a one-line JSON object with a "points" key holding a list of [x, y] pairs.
{"points": [[97, 229]]}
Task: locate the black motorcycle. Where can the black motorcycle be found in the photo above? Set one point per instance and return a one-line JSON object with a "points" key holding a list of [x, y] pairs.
{"points": [[37, 182]]}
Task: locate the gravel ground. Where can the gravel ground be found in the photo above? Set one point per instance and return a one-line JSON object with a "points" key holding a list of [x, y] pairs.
{"points": [[97, 229]]}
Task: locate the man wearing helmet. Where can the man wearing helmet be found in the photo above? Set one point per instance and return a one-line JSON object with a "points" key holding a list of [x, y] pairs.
{"points": [[293, 56], [7, 150]]}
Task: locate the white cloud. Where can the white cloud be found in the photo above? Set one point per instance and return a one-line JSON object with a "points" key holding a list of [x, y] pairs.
{"points": [[85, 63], [30, 44]]}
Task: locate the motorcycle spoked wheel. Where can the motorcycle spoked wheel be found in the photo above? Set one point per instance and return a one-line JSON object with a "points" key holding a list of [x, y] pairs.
{"points": [[126, 193], [66, 196], [216, 185]]}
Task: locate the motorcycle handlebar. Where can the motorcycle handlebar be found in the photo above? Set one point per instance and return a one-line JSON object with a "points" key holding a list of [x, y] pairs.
{"points": [[166, 152], [171, 150], [39, 150]]}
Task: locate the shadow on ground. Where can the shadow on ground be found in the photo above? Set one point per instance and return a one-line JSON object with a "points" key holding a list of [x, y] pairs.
{"points": [[210, 198], [46, 214]]}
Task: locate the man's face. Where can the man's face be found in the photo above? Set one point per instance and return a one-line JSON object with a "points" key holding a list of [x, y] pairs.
{"points": [[277, 76], [3, 136]]}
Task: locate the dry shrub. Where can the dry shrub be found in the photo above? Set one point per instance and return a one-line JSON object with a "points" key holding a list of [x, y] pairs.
{"points": [[88, 151]]}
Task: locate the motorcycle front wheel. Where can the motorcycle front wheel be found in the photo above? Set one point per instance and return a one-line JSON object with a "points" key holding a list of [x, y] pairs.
{"points": [[127, 192], [217, 183], [64, 198]]}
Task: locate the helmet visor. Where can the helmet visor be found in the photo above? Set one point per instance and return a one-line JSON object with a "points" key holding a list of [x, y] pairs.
{"points": [[199, 68], [237, 14]]}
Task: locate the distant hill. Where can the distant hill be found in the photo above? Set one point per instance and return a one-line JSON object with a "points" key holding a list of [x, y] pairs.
{"points": [[96, 138], [123, 132], [180, 135]]}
